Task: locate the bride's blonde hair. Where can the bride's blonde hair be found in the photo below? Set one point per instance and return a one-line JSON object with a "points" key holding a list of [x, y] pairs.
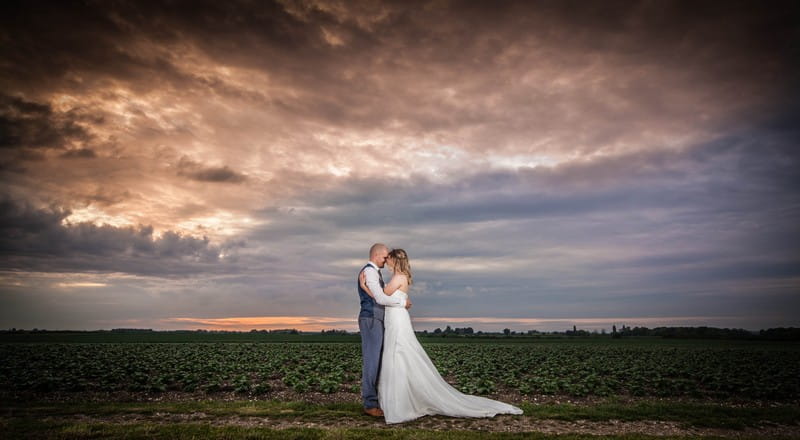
{"points": [[401, 263]]}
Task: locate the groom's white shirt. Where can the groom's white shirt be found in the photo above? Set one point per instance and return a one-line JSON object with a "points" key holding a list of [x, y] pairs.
{"points": [[374, 286]]}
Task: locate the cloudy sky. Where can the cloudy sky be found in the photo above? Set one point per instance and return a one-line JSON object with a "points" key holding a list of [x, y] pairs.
{"points": [[544, 163]]}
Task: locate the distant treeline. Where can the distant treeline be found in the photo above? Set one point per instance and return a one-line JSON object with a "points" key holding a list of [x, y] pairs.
{"points": [[780, 333], [772, 334]]}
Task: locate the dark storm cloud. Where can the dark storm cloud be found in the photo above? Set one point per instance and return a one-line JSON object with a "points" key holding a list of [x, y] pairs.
{"points": [[743, 41], [196, 171], [394, 68], [37, 240], [104, 197], [79, 44], [79, 153], [49, 40], [29, 124]]}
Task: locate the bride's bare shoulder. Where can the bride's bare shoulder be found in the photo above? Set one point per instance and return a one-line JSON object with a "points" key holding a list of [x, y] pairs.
{"points": [[398, 279], [403, 281]]}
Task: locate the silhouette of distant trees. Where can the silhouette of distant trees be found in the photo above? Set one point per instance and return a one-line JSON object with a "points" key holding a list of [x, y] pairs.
{"points": [[688, 332], [781, 334], [703, 332], [773, 334]]}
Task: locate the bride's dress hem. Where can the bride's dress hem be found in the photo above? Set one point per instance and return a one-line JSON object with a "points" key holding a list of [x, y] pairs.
{"points": [[487, 416], [410, 386]]}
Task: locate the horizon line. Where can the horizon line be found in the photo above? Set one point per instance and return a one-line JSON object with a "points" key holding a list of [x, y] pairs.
{"points": [[314, 323]]}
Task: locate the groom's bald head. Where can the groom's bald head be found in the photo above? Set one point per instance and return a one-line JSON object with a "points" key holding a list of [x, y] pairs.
{"points": [[376, 249], [378, 253]]}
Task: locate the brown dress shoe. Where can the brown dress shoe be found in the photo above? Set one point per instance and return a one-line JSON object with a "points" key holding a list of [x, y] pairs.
{"points": [[374, 412]]}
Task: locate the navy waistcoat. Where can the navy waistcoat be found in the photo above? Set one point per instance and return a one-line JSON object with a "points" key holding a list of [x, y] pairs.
{"points": [[369, 308]]}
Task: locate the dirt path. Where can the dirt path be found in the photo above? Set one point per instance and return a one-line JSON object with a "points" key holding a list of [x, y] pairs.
{"points": [[438, 423], [501, 423], [287, 395]]}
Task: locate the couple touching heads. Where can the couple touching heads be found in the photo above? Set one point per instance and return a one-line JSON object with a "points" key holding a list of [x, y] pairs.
{"points": [[399, 382]]}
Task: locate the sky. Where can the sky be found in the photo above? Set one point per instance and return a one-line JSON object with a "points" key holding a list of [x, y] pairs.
{"points": [[227, 165]]}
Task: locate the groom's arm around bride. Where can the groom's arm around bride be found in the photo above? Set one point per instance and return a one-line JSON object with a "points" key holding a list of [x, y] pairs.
{"points": [[375, 290]]}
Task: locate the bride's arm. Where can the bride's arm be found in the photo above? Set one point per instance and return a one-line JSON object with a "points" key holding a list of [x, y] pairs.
{"points": [[394, 284], [389, 289], [369, 281]]}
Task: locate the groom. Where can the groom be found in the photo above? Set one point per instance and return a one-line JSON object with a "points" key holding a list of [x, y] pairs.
{"points": [[370, 324]]}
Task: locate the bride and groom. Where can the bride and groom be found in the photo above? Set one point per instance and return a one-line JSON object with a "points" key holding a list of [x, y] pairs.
{"points": [[399, 381]]}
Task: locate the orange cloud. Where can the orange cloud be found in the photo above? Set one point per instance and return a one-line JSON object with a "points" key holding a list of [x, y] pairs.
{"points": [[242, 323]]}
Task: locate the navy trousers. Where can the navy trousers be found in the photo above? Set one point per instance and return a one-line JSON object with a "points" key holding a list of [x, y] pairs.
{"points": [[371, 351]]}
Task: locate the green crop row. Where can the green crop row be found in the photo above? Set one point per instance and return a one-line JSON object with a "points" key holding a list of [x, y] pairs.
{"points": [[252, 368]]}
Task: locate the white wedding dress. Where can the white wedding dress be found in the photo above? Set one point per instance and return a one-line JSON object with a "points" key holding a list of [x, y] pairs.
{"points": [[409, 386]]}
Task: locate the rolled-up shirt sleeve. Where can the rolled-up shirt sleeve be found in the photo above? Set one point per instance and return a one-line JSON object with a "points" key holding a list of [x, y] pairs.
{"points": [[381, 298]]}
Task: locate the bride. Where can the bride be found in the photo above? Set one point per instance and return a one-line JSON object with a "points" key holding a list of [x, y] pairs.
{"points": [[409, 385]]}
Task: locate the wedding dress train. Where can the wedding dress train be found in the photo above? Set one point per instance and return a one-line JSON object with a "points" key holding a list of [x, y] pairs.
{"points": [[410, 386]]}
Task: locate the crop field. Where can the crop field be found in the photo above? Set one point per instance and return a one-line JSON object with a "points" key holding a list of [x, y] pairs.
{"points": [[257, 369], [39, 379]]}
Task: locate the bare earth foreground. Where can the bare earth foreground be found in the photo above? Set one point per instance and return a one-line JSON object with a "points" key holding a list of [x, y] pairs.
{"points": [[496, 424], [317, 415]]}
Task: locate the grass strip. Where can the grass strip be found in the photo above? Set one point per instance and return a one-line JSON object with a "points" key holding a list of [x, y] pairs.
{"points": [[706, 415], [688, 414], [33, 428]]}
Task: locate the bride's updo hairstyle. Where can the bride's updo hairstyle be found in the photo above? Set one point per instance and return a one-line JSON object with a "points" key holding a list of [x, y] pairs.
{"points": [[401, 263]]}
